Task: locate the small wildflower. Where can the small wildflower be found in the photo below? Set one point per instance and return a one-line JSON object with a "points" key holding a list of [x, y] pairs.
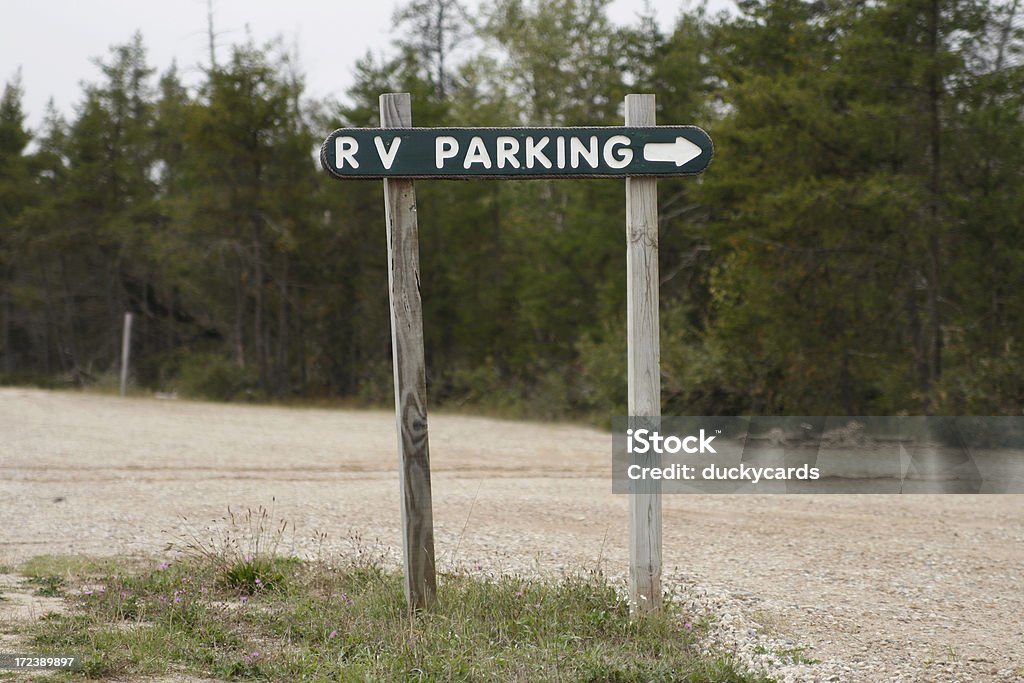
{"points": [[333, 634], [87, 593], [163, 566], [203, 590], [688, 626], [244, 599], [124, 594], [519, 594], [101, 589], [177, 600]]}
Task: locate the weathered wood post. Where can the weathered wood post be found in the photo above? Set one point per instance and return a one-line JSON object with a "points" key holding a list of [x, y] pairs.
{"points": [[644, 365], [126, 350], [410, 370]]}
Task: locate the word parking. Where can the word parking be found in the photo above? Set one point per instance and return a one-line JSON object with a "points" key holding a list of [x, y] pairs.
{"points": [[516, 152]]}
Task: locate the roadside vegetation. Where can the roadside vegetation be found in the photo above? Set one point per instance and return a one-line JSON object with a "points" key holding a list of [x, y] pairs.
{"points": [[853, 249], [283, 619], [232, 606]]}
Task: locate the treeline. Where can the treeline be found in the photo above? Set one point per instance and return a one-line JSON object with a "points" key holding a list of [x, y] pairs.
{"points": [[856, 246]]}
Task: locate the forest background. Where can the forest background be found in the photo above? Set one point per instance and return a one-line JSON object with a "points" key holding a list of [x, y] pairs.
{"points": [[855, 247]]}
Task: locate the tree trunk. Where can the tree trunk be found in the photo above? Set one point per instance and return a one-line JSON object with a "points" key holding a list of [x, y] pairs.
{"points": [[240, 319], [6, 335], [50, 328], [69, 317], [933, 267], [257, 320], [282, 326]]}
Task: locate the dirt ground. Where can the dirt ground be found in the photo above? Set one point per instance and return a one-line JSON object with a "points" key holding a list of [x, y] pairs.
{"points": [[829, 588]]}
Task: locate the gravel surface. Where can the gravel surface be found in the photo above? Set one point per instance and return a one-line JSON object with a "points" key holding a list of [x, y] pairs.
{"points": [[811, 588]]}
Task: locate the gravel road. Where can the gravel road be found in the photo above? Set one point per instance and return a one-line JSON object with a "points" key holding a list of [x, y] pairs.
{"points": [[813, 588]]}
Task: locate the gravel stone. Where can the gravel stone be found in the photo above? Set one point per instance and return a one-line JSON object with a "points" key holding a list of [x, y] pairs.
{"points": [[810, 588]]}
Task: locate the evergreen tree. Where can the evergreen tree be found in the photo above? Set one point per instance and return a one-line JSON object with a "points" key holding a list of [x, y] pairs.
{"points": [[16, 193], [854, 247], [250, 177]]}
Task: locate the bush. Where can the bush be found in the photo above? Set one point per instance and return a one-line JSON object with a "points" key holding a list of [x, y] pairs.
{"points": [[982, 384], [212, 376]]}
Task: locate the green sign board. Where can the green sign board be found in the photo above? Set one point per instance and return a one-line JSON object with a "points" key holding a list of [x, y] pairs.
{"points": [[610, 152]]}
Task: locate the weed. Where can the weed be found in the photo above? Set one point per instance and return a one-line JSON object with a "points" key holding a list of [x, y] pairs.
{"points": [[74, 567], [48, 586], [244, 551], [261, 573], [797, 656], [772, 624]]}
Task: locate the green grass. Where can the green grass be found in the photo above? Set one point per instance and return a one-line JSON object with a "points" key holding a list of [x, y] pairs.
{"points": [[790, 655], [316, 621], [67, 566], [48, 586]]}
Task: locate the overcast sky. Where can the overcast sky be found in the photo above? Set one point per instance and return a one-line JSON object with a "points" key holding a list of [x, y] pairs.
{"points": [[55, 41]]}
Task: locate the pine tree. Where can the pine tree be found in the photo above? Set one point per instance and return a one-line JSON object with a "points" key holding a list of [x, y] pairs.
{"points": [[16, 193]]}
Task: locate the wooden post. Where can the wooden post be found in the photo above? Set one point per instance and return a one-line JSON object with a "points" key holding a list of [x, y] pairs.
{"points": [[410, 371], [126, 349], [644, 363]]}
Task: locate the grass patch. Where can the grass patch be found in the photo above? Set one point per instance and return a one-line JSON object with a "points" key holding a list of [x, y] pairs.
{"points": [[233, 607], [71, 566], [319, 621], [789, 655], [52, 575], [253, 575], [243, 551], [773, 624], [48, 586]]}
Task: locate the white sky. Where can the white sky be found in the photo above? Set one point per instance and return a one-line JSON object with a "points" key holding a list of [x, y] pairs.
{"points": [[55, 41]]}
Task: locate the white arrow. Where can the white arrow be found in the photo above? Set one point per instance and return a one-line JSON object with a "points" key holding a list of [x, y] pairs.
{"points": [[680, 151]]}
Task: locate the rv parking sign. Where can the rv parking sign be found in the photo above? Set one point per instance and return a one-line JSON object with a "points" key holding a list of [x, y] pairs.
{"points": [[516, 152], [399, 154]]}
